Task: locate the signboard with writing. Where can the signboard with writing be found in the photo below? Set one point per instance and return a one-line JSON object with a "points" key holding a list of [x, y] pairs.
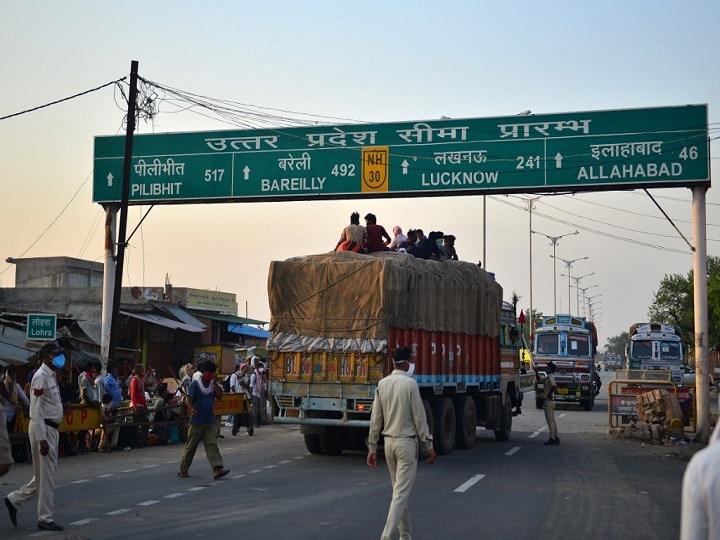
{"points": [[664, 146], [41, 326]]}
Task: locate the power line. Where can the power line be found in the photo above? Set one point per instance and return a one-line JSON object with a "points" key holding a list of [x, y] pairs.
{"points": [[61, 100]]}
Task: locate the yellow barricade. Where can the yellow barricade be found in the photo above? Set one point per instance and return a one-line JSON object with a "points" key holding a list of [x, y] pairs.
{"points": [[82, 417]]}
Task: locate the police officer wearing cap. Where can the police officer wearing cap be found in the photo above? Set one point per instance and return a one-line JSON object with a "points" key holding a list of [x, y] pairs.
{"points": [[549, 389], [46, 413], [398, 411]]}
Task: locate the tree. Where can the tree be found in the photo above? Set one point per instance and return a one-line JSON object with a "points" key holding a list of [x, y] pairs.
{"points": [[674, 304], [616, 345]]}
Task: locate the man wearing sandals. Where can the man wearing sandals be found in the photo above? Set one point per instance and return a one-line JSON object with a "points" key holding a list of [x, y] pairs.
{"points": [[199, 401]]}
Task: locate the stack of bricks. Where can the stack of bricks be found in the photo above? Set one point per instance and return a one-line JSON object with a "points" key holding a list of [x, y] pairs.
{"points": [[658, 407]]}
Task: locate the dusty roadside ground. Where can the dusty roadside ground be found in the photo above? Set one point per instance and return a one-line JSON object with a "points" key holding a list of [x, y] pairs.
{"points": [[666, 447]]}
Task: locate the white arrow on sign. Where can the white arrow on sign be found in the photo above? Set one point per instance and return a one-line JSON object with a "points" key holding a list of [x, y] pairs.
{"points": [[405, 165], [110, 179], [246, 170], [558, 160]]}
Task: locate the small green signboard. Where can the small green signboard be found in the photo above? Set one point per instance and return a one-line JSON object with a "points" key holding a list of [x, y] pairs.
{"points": [[41, 326], [621, 149]]}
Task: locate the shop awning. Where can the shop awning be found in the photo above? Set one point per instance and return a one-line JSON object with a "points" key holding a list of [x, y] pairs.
{"points": [[16, 350], [181, 315], [164, 321], [232, 319], [251, 331]]}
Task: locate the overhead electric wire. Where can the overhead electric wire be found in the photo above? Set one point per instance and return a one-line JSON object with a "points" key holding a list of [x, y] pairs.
{"points": [[591, 230], [639, 214], [61, 100], [595, 220]]}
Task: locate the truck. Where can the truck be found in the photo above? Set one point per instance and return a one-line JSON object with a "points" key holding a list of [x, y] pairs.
{"points": [[571, 344], [655, 346], [336, 320]]}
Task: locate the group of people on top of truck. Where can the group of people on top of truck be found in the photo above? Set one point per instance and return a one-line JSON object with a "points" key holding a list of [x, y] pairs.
{"points": [[372, 238]]}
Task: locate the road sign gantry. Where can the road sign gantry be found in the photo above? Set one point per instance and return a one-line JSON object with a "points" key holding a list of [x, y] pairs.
{"points": [[615, 149]]}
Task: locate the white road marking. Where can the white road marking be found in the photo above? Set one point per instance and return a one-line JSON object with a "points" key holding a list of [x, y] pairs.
{"points": [[149, 466], [174, 495], [148, 503], [238, 476], [108, 475], [80, 481], [118, 512], [470, 483], [284, 461], [83, 521], [270, 466], [197, 488], [255, 471], [512, 451], [128, 470]]}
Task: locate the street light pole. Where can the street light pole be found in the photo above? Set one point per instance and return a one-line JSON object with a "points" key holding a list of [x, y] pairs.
{"points": [[530, 203], [568, 265], [584, 291], [554, 242], [577, 290]]}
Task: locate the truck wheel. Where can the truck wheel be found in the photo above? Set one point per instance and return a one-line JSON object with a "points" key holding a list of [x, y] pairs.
{"points": [[539, 403], [356, 438], [333, 441], [587, 404], [503, 434], [444, 424], [465, 421], [312, 443]]}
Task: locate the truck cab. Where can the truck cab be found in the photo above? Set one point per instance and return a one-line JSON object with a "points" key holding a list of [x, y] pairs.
{"points": [[571, 343], [656, 346]]}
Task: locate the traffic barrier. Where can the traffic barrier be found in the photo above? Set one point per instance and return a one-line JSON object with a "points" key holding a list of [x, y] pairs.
{"points": [[623, 395]]}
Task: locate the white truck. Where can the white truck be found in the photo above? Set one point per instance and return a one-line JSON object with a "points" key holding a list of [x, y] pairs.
{"points": [[656, 346]]}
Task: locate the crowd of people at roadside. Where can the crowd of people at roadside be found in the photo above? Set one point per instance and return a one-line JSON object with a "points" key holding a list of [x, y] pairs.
{"points": [[147, 409], [373, 238]]}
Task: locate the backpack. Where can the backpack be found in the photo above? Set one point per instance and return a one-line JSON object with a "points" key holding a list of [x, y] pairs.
{"points": [[226, 384]]}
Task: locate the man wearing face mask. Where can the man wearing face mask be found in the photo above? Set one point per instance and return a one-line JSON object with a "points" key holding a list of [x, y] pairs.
{"points": [[46, 413], [199, 401], [398, 411]]}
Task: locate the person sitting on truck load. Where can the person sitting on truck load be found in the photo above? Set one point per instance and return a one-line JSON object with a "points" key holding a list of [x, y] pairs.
{"points": [[549, 389], [409, 244], [427, 247], [449, 246], [378, 237], [353, 237], [398, 238]]}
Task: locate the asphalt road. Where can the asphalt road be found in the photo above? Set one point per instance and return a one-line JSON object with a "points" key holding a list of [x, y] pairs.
{"points": [[591, 486]]}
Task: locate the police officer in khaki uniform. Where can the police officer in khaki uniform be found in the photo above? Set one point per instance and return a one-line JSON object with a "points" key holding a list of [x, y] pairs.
{"points": [[46, 413], [398, 411], [549, 389]]}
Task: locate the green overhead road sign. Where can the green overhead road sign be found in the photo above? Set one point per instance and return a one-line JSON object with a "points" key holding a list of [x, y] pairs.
{"points": [[41, 326], [617, 149]]}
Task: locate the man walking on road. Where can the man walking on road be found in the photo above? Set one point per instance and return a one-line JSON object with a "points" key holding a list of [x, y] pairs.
{"points": [[398, 411], [549, 389], [199, 400], [46, 413]]}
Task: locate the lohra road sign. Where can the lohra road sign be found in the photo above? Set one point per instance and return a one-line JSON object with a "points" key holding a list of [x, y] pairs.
{"points": [[41, 326], [614, 149]]}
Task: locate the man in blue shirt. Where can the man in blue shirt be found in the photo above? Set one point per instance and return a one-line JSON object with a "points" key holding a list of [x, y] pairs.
{"points": [[199, 401]]}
